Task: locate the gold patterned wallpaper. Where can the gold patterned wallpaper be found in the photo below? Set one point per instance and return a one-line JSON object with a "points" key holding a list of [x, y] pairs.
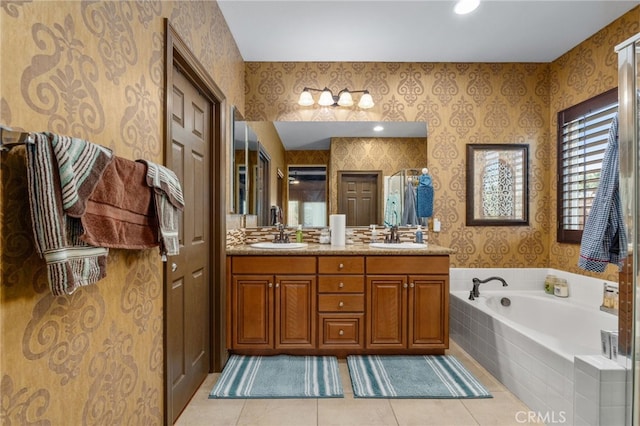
{"points": [[464, 103], [90, 69]]}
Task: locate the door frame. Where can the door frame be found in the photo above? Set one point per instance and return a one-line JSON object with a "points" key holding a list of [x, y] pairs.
{"points": [[380, 192], [178, 53]]}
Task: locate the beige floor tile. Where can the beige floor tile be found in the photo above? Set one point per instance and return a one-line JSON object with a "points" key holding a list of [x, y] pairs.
{"points": [[279, 412], [351, 411], [501, 410], [211, 412], [438, 412], [345, 377]]}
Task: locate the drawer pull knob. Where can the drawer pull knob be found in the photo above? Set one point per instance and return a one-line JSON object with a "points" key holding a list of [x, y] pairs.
{"points": [[412, 285], [270, 285], [341, 304], [340, 266], [341, 332], [405, 285], [277, 285], [341, 285]]}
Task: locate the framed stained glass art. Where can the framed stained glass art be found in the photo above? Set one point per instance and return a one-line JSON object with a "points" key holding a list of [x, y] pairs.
{"points": [[497, 185]]}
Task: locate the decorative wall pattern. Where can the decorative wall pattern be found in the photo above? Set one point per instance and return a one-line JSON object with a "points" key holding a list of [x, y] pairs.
{"points": [[587, 70], [90, 69], [465, 103]]}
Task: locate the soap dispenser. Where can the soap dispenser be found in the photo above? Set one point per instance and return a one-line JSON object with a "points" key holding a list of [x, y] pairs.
{"points": [[419, 238], [299, 234], [374, 234]]}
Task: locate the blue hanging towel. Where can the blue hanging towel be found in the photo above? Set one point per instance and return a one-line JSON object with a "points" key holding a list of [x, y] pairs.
{"points": [[424, 199]]}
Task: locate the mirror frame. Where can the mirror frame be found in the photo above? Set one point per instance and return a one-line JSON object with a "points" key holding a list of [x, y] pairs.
{"points": [[511, 157]]}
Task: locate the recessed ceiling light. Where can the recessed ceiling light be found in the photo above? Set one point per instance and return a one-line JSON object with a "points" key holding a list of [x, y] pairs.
{"points": [[463, 7], [378, 128]]}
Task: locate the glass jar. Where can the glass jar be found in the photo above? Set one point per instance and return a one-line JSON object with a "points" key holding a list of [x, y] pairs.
{"points": [[549, 284]]}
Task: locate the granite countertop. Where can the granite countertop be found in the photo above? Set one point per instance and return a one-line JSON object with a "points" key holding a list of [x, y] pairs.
{"points": [[327, 249]]}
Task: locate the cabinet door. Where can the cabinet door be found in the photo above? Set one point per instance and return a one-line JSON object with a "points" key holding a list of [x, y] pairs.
{"points": [[253, 311], [387, 311], [295, 312], [428, 312]]}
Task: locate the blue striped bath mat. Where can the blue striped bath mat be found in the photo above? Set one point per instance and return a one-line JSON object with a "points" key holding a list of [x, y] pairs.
{"points": [[280, 376], [412, 376]]}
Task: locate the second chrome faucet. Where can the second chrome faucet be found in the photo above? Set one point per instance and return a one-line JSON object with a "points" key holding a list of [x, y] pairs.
{"points": [[475, 291]]}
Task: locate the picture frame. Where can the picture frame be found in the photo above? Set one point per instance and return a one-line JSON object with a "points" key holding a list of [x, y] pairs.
{"points": [[497, 185]]}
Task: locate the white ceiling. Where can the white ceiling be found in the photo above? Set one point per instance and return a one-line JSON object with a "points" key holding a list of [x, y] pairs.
{"points": [[414, 30], [408, 31]]}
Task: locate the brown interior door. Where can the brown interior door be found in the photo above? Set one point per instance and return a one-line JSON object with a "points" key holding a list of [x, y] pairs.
{"points": [[359, 197], [188, 307]]}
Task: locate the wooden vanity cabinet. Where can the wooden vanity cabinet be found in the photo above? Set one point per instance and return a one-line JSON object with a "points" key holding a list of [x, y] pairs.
{"points": [[341, 302], [273, 303], [407, 310]]}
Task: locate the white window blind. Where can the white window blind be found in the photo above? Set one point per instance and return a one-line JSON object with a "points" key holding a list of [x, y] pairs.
{"points": [[582, 137]]}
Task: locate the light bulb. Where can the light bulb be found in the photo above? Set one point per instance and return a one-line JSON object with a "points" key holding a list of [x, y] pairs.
{"points": [[366, 101], [305, 98], [345, 98], [466, 6], [326, 98]]}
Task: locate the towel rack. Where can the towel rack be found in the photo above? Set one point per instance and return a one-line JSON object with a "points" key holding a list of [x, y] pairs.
{"points": [[12, 138]]}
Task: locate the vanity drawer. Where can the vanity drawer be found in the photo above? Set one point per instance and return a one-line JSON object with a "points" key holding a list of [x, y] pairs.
{"points": [[434, 264], [273, 264], [341, 264], [340, 284], [345, 330], [341, 302]]}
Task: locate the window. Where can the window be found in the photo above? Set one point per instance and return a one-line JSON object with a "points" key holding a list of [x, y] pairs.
{"points": [[583, 132], [307, 196]]}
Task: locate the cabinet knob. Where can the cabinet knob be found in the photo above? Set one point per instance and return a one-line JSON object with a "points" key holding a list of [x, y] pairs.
{"points": [[341, 332], [405, 285], [341, 285], [174, 267], [340, 266], [277, 285], [270, 285], [341, 304], [412, 285]]}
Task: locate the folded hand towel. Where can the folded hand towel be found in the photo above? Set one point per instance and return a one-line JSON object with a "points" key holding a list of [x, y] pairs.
{"points": [[71, 263], [120, 212], [168, 202], [80, 165]]}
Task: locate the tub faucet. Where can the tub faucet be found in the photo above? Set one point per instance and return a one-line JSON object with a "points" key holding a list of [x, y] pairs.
{"points": [[475, 292]]}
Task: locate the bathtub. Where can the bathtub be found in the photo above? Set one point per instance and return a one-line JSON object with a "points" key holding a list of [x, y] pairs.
{"points": [[543, 349], [566, 328]]}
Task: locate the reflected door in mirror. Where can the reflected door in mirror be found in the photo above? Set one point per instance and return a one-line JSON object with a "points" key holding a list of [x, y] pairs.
{"points": [[359, 196]]}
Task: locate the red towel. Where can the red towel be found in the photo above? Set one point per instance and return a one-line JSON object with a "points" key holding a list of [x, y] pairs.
{"points": [[120, 211]]}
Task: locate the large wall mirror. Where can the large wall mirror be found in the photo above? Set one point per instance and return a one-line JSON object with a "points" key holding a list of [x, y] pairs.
{"points": [[386, 147], [250, 165]]}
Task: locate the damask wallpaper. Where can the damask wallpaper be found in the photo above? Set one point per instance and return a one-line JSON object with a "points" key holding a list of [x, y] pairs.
{"points": [[90, 69], [464, 103]]}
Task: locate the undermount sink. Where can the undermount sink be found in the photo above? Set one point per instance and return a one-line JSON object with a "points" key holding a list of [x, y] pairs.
{"points": [[268, 245], [404, 246]]}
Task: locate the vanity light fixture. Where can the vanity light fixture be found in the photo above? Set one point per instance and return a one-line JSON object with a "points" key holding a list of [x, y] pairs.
{"points": [[343, 98], [463, 7]]}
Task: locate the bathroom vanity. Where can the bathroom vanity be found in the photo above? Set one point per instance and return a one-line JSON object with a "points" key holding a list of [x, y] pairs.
{"points": [[337, 300]]}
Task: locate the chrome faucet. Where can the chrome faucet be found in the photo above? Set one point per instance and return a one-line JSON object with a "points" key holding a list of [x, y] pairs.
{"points": [[394, 236], [475, 292], [281, 237]]}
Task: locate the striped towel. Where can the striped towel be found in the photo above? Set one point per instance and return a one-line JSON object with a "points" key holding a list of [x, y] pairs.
{"points": [[71, 263], [168, 202]]}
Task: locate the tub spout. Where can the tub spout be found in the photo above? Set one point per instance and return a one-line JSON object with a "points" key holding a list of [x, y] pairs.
{"points": [[475, 292]]}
